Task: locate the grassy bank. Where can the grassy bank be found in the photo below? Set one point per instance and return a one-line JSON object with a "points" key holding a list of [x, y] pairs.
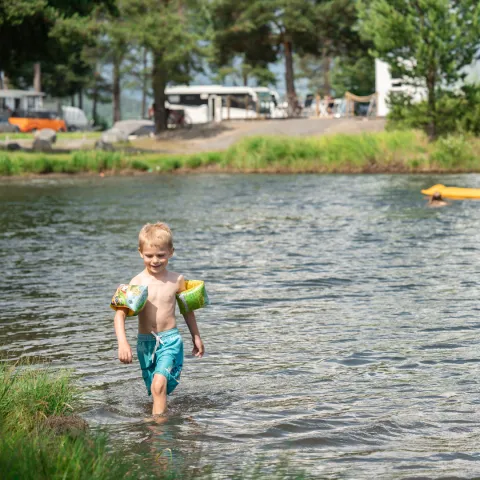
{"points": [[60, 135], [42, 439], [398, 151]]}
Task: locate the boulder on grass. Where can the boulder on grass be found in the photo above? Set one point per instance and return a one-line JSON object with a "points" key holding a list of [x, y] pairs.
{"points": [[114, 135], [40, 145], [107, 147], [13, 147], [46, 134]]}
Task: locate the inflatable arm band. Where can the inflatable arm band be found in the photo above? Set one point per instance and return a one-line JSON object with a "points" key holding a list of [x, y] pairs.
{"points": [[193, 297], [133, 297]]}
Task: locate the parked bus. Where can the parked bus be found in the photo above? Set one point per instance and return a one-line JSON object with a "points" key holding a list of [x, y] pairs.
{"points": [[270, 102], [206, 103]]}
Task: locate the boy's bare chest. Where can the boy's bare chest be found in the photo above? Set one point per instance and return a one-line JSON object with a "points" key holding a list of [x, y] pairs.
{"points": [[159, 294]]}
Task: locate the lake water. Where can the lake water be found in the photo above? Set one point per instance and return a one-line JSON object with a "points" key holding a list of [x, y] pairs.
{"points": [[343, 332]]}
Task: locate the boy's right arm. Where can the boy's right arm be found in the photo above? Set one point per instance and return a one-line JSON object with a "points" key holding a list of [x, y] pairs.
{"points": [[124, 350]]}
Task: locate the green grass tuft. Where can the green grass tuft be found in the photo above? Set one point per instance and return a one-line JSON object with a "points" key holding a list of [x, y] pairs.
{"points": [[454, 152], [44, 456], [28, 396]]}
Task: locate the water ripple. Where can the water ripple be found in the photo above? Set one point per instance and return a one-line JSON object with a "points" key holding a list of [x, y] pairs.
{"points": [[342, 329]]}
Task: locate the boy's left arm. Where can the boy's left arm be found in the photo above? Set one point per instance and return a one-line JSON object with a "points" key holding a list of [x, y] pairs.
{"points": [[198, 348]]}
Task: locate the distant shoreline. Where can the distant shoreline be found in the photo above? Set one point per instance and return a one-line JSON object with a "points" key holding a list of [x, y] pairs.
{"points": [[396, 152]]}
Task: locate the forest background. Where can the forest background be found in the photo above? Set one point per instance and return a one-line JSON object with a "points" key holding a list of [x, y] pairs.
{"points": [[96, 49]]}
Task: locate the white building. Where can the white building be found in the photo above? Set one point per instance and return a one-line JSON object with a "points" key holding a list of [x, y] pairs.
{"points": [[20, 99]]}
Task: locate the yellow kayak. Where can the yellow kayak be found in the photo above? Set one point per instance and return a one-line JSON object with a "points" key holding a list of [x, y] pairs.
{"points": [[454, 193]]}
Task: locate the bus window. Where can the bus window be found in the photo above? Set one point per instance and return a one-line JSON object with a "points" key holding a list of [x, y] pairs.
{"points": [[193, 100], [237, 100]]}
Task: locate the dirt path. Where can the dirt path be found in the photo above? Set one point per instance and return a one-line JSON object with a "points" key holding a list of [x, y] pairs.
{"points": [[221, 136]]}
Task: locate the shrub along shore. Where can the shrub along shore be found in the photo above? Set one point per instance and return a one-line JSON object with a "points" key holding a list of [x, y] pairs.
{"points": [[385, 152]]}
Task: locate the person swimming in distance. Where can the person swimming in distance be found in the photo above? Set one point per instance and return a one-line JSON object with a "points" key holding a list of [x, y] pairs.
{"points": [[436, 200]]}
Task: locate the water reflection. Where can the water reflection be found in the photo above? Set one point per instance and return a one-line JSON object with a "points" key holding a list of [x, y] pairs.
{"points": [[342, 329]]}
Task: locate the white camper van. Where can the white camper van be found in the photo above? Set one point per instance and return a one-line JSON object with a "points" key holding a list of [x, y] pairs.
{"points": [[75, 118]]}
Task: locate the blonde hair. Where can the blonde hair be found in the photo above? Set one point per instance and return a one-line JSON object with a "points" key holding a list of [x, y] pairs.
{"points": [[155, 234]]}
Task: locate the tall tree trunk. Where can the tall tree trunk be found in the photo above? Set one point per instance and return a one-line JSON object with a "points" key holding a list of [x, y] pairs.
{"points": [[117, 113], [144, 84], [159, 83], [432, 104], [80, 98], [37, 78], [72, 100], [95, 100], [327, 88], [289, 75]]}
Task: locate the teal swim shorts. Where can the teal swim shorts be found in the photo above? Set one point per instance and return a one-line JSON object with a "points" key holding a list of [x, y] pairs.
{"points": [[161, 353]]}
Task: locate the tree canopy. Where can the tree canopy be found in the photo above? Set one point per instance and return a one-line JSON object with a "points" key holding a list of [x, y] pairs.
{"points": [[52, 32], [84, 45], [426, 42]]}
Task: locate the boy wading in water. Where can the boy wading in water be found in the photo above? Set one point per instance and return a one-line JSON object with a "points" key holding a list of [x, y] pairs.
{"points": [[160, 346]]}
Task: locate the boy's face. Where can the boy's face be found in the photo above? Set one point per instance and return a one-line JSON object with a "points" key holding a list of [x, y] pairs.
{"points": [[156, 257]]}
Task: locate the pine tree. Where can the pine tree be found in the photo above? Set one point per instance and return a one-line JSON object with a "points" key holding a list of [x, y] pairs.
{"points": [[172, 31]]}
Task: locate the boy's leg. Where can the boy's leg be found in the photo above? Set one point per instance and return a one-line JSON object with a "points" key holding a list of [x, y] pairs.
{"points": [[159, 394], [168, 366]]}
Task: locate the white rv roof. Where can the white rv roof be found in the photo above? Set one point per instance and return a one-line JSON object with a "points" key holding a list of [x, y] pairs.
{"points": [[213, 89], [20, 93]]}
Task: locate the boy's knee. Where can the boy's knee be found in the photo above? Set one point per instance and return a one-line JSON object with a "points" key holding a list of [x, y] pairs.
{"points": [[159, 385]]}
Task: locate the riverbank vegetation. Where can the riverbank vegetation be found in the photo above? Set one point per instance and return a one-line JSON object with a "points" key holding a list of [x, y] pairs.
{"points": [[60, 135], [457, 112], [403, 151], [41, 437]]}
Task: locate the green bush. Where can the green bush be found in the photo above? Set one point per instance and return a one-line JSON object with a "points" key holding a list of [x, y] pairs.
{"points": [[470, 120], [168, 164], [453, 152], [6, 165], [212, 158], [193, 161], [137, 164], [456, 112]]}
